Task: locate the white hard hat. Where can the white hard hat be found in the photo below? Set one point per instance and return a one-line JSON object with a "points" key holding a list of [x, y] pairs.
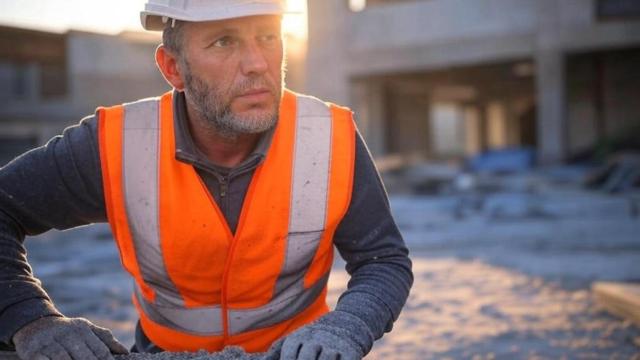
{"points": [[157, 12]]}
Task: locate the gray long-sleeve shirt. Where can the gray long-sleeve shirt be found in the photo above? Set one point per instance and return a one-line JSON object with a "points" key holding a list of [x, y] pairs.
{"points": [[59, 186]]}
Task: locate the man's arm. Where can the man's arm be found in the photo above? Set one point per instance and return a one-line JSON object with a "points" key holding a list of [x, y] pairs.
{"points": [[377, 260], [57, 186]]}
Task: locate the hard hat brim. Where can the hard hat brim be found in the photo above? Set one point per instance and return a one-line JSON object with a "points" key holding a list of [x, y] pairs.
{"points": [[152, 17]]}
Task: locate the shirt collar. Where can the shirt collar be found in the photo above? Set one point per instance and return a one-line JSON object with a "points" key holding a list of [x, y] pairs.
{"points": [[187, 151]]}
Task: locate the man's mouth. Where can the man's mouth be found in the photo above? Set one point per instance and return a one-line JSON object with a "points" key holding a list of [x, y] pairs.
{"points": [[258, 94]]}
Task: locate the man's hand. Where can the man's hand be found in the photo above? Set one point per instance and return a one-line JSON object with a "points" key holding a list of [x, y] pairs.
{"points": [[58, 338], [335, 336]]}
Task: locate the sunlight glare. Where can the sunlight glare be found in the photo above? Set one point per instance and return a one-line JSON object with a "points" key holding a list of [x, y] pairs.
{"points": [[295, 21], [357, 5], [115, 15]]}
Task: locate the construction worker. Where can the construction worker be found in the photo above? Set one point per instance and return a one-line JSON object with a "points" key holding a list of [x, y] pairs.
{"points": [[226, 198]]}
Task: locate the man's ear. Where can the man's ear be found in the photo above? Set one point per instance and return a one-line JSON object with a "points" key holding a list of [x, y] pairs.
{"points": [[168, 64]]}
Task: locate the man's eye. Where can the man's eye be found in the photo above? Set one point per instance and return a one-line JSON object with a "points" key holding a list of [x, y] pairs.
{"points": [[224, 42]]}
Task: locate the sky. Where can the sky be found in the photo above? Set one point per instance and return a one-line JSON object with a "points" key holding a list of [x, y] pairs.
{"points": [[110, 16]]}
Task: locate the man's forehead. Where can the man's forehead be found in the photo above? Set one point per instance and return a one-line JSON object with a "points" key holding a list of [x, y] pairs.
{"points": [[238, 24]]}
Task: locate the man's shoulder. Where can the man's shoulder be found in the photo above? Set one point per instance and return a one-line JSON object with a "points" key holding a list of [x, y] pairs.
{"points": [[135, 102], [314, 104], [306, 96]]}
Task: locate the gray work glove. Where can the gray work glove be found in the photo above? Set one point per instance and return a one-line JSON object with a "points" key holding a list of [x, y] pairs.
{"points": [[59, 338], [337, 335]]}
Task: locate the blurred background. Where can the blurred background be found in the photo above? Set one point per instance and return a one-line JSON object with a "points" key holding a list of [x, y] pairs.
{"points": [[507, 133]]}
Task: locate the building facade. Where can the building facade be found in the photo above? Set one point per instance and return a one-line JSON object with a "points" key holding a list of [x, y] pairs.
{"points": [[451, 78], [49, 81]]}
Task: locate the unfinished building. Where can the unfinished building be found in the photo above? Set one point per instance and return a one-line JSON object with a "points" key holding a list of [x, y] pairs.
{"points": [[451, 78], [50, 80]]}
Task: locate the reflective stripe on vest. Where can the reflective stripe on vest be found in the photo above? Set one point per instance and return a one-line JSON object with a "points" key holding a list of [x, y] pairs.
{"points": [[309, 197]]}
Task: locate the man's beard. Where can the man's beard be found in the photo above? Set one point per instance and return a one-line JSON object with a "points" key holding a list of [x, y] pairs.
{"points": [[214, 105]]}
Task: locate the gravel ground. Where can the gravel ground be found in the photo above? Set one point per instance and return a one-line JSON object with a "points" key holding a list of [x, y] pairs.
{"points": [[468, 309], [229, 353]]}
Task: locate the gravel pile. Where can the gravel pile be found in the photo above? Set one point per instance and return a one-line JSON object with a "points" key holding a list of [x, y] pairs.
{"points": [[229, 353]]}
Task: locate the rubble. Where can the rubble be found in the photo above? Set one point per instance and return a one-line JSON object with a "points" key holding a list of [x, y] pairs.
{"points": [[229, 353], [622, 173]]}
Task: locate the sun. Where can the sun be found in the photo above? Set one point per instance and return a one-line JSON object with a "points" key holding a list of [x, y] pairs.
{"points": [[295, 21]]}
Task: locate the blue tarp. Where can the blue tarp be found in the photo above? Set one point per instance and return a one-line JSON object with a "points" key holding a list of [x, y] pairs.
{"points": [[507, 160]]}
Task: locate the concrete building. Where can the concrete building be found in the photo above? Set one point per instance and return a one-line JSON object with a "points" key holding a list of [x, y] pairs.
{"points": [[451, 78], [49, 81]]}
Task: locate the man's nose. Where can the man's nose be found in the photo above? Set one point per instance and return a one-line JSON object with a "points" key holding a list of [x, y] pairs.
{"points": [[254, 60]]}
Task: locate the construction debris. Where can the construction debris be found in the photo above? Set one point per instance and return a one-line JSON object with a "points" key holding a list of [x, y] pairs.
{"points": [[229, 353], [622, 173], [621, 299]]}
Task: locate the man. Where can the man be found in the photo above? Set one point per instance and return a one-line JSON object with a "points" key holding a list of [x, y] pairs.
{"points": [[225, 196]]}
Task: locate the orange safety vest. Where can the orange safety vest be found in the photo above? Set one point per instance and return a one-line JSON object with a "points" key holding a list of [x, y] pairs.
{"points": [[196, 285]]}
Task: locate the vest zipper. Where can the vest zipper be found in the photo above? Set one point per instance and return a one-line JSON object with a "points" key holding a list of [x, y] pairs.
{"points": [[227, 266], [224, 189], [232, 240], [224, 197]]}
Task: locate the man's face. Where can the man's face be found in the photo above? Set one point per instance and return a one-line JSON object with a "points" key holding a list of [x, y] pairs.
{"points": [[232, 71]]}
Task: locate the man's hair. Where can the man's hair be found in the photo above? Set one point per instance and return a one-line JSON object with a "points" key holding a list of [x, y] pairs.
{"points": [[172, 36]]}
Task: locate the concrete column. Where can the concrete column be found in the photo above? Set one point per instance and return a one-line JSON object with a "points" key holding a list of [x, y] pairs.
{"points": [[32, 82], [552, 119], [513, 123], [377, 118], [550, 85], [367, 97], [483, 126], [473, 142], [497, 129], [327, 77]]}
